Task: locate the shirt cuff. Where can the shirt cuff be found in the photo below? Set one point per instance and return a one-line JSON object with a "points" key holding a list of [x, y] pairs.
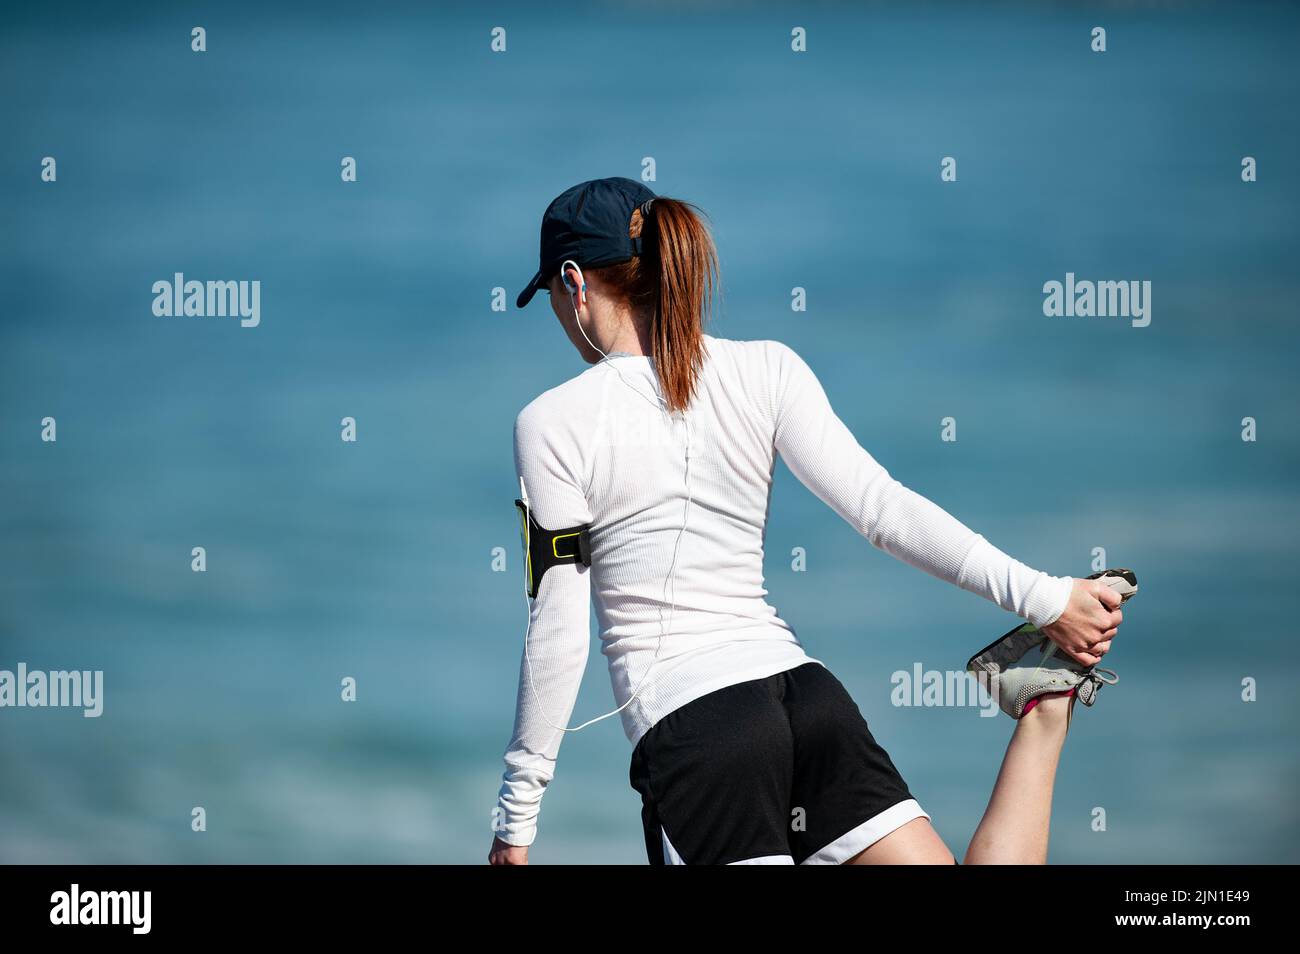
{"points": [[1048, 600], [518, 804], [519, 835]]}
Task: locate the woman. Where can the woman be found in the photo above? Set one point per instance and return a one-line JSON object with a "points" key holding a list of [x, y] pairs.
{"points": [[645, 485]]}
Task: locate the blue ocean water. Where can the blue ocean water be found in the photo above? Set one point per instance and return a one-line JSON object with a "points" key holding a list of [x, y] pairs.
{"points": [[821, 170]]}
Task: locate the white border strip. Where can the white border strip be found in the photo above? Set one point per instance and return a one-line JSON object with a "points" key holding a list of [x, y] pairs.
{"points": [[867, 834], [766, 860], [671, 857]]}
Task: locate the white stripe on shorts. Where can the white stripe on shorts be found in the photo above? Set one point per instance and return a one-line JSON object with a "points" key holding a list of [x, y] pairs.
{"points": [[671, 857], [867, 834], [766, 860]]}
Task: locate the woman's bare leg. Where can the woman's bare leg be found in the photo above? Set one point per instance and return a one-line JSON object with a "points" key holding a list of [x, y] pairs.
{"points": [[1015, 826]]}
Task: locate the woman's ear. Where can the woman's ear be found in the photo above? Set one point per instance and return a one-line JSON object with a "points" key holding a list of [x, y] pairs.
{"points": [[574, 283]]}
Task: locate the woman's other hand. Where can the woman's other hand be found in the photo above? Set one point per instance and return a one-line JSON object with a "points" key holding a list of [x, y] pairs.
{"points": [[503, 854]]}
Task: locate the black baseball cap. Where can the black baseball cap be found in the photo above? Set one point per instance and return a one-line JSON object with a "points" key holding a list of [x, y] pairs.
{"points": [[589, 224]]}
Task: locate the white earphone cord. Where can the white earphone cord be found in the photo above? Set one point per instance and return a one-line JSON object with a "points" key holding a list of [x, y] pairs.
{"points": [[670, 583]]}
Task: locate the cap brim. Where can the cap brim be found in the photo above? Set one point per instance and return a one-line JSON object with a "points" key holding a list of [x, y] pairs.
{"points": [[529, 291]]}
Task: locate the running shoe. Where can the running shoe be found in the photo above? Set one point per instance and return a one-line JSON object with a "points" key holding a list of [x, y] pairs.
{"points": [[1024, 664]]}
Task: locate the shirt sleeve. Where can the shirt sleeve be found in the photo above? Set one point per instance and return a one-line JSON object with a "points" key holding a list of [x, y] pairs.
{"points": [[823, 454], [558, 636]]}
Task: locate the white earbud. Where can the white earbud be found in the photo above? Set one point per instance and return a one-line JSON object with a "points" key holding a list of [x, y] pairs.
{"points": [[582, 282], [581, 292]]}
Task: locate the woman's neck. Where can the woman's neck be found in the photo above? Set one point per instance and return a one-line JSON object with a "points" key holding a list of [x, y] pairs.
{"points": [[632, 335]]}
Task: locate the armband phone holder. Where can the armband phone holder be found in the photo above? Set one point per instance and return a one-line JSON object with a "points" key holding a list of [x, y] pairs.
{"points": [[544, 548]]}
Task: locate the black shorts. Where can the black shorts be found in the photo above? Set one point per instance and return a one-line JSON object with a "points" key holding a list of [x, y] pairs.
{"points": [[779, 770]]}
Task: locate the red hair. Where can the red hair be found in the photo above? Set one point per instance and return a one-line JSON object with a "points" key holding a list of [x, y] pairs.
{"points": [[673, 278]]}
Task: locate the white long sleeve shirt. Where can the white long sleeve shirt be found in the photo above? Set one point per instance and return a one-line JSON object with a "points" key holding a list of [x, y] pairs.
{"points": [[598, 449]]}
